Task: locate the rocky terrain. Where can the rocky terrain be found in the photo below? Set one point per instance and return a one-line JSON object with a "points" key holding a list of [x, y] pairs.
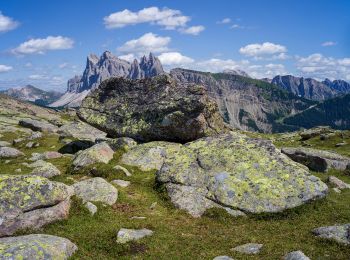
{"points": [[187, 187]]}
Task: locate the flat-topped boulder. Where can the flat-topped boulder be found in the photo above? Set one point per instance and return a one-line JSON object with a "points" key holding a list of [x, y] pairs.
{"points": [[31, 202], [44, 169], [317, 160], [81, 131], [235, 171], [157, 108], [37, 125], [338, 233], [36, 246]]}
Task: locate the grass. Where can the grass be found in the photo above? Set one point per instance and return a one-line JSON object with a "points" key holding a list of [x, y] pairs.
{"points": [[176, 234]]}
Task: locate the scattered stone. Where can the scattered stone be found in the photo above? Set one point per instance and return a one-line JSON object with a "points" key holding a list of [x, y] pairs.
{"points": [[36, 125], [36, 246], [7, 161], [96, 190], [91, 207], [156, 108], [99, 153], [36, 202], [4, 144], [250, 248], [45, 156], [125, 235], [44, 169], [313, 132], [17, 141], [223, 257], [35, 135], [124, 143], [235, 213], [121, 183], [243, 173], [317, 160], [123, 169], [138, 217], [18, 170], [339, 233], [341, 144], [9, 152], [296, 255], [338, 183], [336, 190], [153, 205], [81, 131], [32, 144]]}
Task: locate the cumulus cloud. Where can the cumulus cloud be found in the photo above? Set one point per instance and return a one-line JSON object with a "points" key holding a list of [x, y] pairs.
{"points": [[174, 58], [329, 43], [265, 49], [5, 68], [224, 21], [7, 23], [168, 18], [148, 42], [40, 46], [193, 30]]}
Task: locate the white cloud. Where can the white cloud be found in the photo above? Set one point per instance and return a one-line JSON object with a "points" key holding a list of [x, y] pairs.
{"points": [[148, 42], [63, 65], [37, 77], [40, 46], [262, 50], [224, 21], [193, 30], [7, 23], [28, 65], [236, 26], [128, 57], [5, 68], [174, 58], [329, 43], [168, 18]]}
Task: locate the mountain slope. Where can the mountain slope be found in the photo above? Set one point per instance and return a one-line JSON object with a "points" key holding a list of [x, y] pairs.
{"points": [[246, 103], [33, 94]]}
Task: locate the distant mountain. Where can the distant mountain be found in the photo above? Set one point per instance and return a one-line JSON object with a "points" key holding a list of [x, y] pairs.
{"points": [[237, 72], [333, 112], [247, 103], [100, 68], [311, 88], [33, 94]]}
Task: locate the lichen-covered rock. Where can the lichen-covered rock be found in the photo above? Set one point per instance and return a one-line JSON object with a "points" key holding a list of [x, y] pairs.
{"points": [[339, 233], [81, 131], [99, 153], [296, 255], [9, 152], [124, 143], [148, 156], [96, 189], [31, 202], [121, 183], [157, 108], [44, 169], [36, 246], [249, 248], [4, 144], [36, 125], [125, 235], [317, 160], [316, 131], [238, 172], [45, 155]]}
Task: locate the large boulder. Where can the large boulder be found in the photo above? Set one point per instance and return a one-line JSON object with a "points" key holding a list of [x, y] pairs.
{"points": [[44, 169], [235, 171], [317, 160], [99, 153], [81, 131], [157, 108], [36, 246], [9, 152], [31, 202], [316, 131], [36, 125]]}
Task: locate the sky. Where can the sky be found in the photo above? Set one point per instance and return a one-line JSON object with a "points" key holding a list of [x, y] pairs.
{"points": [[44, 43]]}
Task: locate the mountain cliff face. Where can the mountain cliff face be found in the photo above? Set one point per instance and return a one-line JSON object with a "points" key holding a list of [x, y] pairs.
{"points": [[98, 69], [33, 94], [311, 88], [246, 103]]}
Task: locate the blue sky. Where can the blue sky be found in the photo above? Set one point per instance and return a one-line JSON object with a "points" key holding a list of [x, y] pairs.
{"points": [[44, 43]]}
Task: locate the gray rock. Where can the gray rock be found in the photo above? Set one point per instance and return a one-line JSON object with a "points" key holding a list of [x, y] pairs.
{"points": [[336, 190], [124, 143], [96, 190], [18, 170], [296, 255], [313, 132], [121, 183], [4, 144], [44, 169], [35, 135], [236, 171], [123, 169], [317, 160], [157, 108], [18, 140], [36, 202], [249, 248], [36, 125], [45, 156], [32, 144], [338, 183], [125, 235], [36, 246], [341, 144], [223, 257], [91, 207], [339, 233], [235, 213], [9, 152], [81, 131], [99, 153]]}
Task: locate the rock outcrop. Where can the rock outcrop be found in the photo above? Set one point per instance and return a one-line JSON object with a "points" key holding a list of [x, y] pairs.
{"points": [[238, 172], [36, 125], [155, 108]]}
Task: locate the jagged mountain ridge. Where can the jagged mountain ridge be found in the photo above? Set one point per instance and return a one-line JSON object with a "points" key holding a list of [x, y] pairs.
{"points": [[98, 69], [33, 94], [310, 88], [246, 103]]}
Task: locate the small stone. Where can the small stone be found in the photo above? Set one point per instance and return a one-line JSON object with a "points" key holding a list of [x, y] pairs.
{"points": [[339, 233], [30, 145], [9, 152], [138, 217], [17, 141], [296, 255], [235, 213], [7, 161], [121, 183], [18, 170], [223, 257], [153, 205], [123, 169], [4, 144], [338, 183], [91, 207], [35, 135], [336, 190], [340, 144], [249, 248], [125, 235]]}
